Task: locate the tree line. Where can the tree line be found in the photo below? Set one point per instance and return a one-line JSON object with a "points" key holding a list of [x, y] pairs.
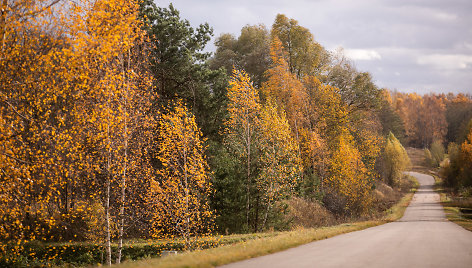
{"points": [[116, 124]]}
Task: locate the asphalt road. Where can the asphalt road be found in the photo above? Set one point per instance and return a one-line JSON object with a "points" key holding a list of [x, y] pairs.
{"points": [[422, 238]]}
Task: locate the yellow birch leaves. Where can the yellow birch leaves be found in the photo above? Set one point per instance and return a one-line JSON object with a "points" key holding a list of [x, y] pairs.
{"points": [[179, 194]]}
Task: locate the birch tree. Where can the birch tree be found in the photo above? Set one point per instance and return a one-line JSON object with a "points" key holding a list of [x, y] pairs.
{"points": [[180, 193], [241, 128]]}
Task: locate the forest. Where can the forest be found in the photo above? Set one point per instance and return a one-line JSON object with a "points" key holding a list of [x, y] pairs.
{"points": [[116, 124]]}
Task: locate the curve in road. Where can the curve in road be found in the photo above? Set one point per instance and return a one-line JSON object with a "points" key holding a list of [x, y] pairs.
{"points": [[421, 238]]}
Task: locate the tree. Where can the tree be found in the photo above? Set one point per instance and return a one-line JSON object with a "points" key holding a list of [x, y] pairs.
{"points": [[457, 170], [315, 159], [178, 65], [437, 153], [285, 89], [241, 128], [304, 55], [395, 160], [424, 117], [115, 100], [348, 177], [432, 120], [280, 164], [179, 195], [249, 52], [39, 153], [465, 176], [458, 114], [357, 89], [389, 118], [76, 94], [330, 112]]}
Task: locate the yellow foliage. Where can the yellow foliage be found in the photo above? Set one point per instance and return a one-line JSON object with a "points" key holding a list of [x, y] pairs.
{"points": [[395, 160], [68, 91], [280, 164], [179, 195], [348, 176]]}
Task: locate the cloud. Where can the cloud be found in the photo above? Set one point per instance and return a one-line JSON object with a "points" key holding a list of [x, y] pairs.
{"points": [[362, 54], [428, 42], [446, 62]]}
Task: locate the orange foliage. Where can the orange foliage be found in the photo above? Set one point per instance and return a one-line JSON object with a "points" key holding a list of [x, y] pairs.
{"points": [[424, 117], [283, 87]]}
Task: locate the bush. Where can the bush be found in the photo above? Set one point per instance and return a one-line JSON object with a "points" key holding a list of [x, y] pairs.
{"points": [[437, 153], [335, 203], [428, 158], [450, 169], [457, 171], [308, 214]]}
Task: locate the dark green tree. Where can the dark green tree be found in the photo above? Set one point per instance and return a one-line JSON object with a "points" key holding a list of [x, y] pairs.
{"points": [[250, 52], [458, 114], [178, 64]]}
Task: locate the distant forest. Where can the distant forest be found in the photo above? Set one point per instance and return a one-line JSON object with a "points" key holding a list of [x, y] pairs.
{"points": [[116, 124]]}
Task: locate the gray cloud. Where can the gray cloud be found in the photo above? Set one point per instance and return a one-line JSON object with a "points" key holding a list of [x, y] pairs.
{"points": [[408, 45]]}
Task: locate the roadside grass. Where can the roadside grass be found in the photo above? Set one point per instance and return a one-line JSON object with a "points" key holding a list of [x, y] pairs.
{"points": [[396, 211], [453, 214], [452, 207], [86, 253], [269, 244]]}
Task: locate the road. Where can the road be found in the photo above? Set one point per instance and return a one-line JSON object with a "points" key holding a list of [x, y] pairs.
{"points": [[422, 238]]}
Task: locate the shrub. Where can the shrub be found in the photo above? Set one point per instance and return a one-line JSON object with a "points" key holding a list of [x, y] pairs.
{"points": [[428, 158], [308, 214], [457, 171], [437, 153], [335, 203]]}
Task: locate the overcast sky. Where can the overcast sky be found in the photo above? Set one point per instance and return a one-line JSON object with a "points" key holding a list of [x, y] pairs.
{"points": [[410, 45]]}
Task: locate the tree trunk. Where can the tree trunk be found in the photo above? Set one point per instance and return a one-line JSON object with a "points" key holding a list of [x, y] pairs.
{"points": [[265, 216], [256, 220], [107, 197], [123, 179], [107, 210], [3, 22], [187, 220], [248, 189]]}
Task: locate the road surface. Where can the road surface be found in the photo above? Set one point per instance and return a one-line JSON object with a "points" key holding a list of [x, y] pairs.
{"points": [[422, 238]]}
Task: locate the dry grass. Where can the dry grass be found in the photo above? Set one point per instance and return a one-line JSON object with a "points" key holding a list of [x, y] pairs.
{"points": [[452, 210], [303, 213], [452, 205]]}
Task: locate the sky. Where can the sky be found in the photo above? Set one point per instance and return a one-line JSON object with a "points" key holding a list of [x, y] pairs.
{"points": [[418, 46]]}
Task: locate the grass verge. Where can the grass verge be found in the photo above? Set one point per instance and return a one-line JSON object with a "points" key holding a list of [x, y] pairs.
{"points": [[267, 245], [452, 206], [452, 210], [251, 248]]}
